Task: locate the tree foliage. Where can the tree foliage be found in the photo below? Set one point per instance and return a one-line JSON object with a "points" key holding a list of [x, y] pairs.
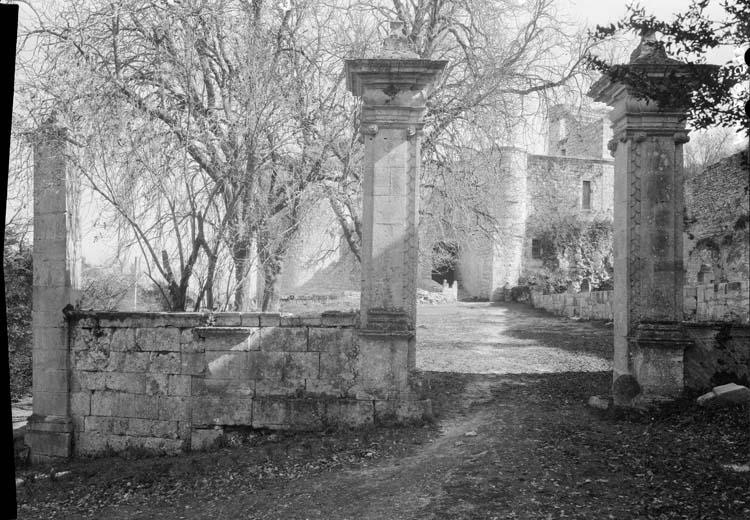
{"points": [[574, 248], [715, 95]]}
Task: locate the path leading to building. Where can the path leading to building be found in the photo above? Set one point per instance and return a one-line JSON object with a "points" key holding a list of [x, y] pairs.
{"points": [[513, 439]]}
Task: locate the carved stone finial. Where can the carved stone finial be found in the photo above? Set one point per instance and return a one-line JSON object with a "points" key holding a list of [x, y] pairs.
{"points": [[396, 45], [650, 50]]}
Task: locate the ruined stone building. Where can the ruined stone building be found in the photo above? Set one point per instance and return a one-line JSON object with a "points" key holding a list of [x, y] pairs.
{"points": [[574, 177], [717, 209]]}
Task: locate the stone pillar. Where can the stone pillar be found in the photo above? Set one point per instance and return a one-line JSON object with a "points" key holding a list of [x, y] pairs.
{"points": [[649, 340], [394, 88], [57, 273]]}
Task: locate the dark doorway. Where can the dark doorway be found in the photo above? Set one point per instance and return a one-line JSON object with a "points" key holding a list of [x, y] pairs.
{"points": [[444, 262]]}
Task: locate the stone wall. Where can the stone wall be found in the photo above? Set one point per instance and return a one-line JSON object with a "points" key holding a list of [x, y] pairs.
{"points": [[727, 302], [595, 305], [723, 302], [719, 354], [165, 382], [717, 242], [578, 133]]}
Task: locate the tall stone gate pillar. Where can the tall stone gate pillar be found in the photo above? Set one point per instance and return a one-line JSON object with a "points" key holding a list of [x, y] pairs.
{"points": [[394, 88], [649, 341], [57, 273]]}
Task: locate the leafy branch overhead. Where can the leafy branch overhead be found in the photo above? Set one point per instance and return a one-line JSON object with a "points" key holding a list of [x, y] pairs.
{"points": [[715, 95]]}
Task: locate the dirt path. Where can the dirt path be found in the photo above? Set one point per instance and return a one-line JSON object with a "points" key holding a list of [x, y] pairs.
{"points": [[514, 439]]}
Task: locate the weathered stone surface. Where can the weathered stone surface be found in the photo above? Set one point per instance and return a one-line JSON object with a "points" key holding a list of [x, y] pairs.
{"points": [[282, 366], [286, 387], [158, 339], [157, 384], [174, 408], [227, 410], [192, 363], [227, 365], [179, 385], [226, 319], [279, 413], [165, 363], [125, 382], [241, 340], [80, 403], [270, 319], [82, 380], [220, 387], [283, 339]]}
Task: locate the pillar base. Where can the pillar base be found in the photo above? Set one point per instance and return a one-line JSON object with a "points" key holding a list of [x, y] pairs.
{"points": [[50, 438], [657, 351]]}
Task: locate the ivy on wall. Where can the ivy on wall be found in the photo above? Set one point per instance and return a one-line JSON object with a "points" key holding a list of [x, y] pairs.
{"points": [[574, 248]]}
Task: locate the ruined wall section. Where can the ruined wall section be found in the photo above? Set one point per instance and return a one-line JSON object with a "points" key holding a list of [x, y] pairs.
{"points": [[717, 238], [319, 261], [167, 382], [578, 133], [555, 190]]}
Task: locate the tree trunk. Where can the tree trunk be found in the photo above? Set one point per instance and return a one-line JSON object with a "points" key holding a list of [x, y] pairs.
{"points": [[271, 279], [242, 255]]}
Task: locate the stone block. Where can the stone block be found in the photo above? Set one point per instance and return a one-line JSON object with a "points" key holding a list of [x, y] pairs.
{"points": [[382, 362], [179, 384], [174, 408], [246, 340], [250, 319], [193, 363], [350, 412], [156, 384], [226, 319], [226, 365], [48, 445], [89, 444], [50, 358], [205, 438], [282, 366], [102, 402], [152, 428], [158, 339], [227, 410], [338, 319], [165, 363], [51, 403], [283, 339], [49, 380], [270, 319], [187, 336], [298, 414], [285, 388], [135, 361], [327, 388], [333, 340], [80, 403], [125, 382], [220, 387], [123, 340]]}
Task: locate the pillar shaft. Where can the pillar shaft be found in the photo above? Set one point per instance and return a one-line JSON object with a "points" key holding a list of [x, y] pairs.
{"points": [[56, 281], [393, 92]]}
